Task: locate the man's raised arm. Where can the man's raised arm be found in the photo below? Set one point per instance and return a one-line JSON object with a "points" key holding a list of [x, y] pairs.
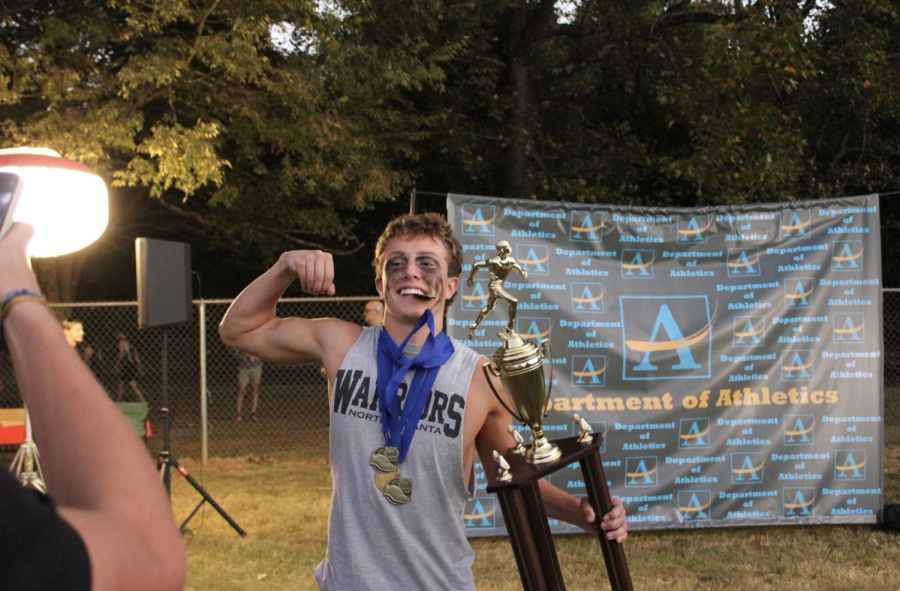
{"points": [[251, 324]]}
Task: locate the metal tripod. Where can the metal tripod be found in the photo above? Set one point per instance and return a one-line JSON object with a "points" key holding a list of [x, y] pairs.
{"points": [[166, 460], [26, 465]]}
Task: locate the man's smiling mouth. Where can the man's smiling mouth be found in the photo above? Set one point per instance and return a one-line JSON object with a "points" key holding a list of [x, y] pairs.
{"points": [[417, 293]]}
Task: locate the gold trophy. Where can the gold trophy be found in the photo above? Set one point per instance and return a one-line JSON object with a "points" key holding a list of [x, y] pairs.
{"points": [[520, 364]]}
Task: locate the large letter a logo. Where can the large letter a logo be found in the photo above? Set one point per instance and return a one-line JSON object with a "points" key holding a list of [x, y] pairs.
{"points": [[665, 320], [474, 220], [587, 226], [666, 350], [795, 223]]}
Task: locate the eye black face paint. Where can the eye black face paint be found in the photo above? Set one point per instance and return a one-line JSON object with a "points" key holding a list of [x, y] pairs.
{"points": [[429, 269], [431, 274], [394, 269], [438, 291]]}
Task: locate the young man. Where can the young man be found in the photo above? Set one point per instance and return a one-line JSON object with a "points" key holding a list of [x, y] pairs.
{"points": [[397, 506]]}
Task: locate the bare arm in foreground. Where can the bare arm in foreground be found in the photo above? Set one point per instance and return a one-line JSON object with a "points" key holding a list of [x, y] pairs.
{"points": [[98, 472]]}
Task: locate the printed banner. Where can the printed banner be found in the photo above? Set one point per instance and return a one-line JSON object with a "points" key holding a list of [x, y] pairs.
{"points": [[730, 356]]}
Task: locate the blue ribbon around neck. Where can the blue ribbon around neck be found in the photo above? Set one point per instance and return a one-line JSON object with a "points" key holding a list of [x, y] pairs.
{"points": [[399, 428]]}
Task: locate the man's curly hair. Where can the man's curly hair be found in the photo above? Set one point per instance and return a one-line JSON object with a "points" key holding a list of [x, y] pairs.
{"points": [[429, 225]]}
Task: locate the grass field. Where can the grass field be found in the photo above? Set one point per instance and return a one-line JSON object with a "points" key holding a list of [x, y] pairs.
{"points": [[282, 502], [276, 485]]}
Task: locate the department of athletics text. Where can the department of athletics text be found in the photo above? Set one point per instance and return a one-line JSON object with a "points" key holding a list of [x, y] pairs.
{"points": [[747, 217], [847, 211], [726, 397], [639, 219], [547, 215]]}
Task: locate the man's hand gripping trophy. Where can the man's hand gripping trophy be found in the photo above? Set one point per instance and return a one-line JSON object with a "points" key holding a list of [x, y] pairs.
{"points": [[499, 268]]}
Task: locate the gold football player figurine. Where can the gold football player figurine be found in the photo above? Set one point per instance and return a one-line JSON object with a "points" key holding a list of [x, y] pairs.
{"points": [[499, 268]]}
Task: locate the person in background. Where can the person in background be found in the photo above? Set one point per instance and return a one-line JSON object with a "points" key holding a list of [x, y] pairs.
{"points": [[87, 534], [92, 357], [249, 372], [128, 365], [374, 313]]}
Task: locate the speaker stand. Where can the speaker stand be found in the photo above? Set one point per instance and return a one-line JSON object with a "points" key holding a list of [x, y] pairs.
{"points": [[166, 460]]}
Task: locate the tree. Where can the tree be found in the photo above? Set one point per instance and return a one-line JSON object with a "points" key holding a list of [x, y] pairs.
{"points": [[680, 103], [251, 146], [192, 107]]}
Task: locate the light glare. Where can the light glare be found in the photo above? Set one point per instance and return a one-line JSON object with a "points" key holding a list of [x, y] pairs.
{"points": [[69, 209]]}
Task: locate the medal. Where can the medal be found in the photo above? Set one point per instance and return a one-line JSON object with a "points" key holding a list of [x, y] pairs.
{"points": [[387, 475], [385, 459], [399, 424], [399, 491], [383, 478]]}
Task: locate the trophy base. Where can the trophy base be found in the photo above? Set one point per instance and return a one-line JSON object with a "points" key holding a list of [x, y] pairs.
{"points": [[542, 451], [526, 517]]}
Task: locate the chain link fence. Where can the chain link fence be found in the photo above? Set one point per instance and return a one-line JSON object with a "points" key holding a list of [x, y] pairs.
{"points": [[293, 400], [292, 409], [891, 320]]}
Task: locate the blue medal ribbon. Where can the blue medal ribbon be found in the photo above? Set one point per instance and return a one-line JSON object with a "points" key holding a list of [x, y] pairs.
{"points": [[399, 428]]}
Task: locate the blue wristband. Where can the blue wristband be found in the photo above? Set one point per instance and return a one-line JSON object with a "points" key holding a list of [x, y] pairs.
{"points": [[14, 297], [15, 293]]}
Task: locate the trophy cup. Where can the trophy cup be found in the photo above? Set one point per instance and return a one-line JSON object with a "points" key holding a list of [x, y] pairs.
{"points": [[520, 364]]}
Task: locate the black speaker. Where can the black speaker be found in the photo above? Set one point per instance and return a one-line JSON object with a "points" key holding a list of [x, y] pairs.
{"points": [[163, 282]]}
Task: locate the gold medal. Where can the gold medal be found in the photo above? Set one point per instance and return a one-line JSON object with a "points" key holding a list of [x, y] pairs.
{"points": [[385, 459], [383, 478], [399, 491]]}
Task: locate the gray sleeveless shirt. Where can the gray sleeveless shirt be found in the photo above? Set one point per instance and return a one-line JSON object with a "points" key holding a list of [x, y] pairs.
{"points": [[373, 544]]}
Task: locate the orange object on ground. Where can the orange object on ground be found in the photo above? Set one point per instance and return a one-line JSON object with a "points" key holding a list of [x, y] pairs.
{"points": [[12, 426]]}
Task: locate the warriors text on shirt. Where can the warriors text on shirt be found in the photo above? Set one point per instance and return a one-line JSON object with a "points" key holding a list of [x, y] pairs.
{"points": [[356, 395]]}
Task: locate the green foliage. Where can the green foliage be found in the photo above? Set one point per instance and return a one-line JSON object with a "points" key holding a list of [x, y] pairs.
{"points": [[671, 103], [253, 143], [194, 101], [178, 158]]}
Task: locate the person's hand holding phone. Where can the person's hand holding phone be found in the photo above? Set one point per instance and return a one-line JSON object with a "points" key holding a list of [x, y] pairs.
{"points": [[11, 186], [15, 273]]}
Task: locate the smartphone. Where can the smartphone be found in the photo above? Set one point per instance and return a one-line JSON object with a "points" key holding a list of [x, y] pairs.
{"points": [[10, 191]]}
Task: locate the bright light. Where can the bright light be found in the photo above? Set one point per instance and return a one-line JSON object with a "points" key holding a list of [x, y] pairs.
{"points": [[65, 202]]}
